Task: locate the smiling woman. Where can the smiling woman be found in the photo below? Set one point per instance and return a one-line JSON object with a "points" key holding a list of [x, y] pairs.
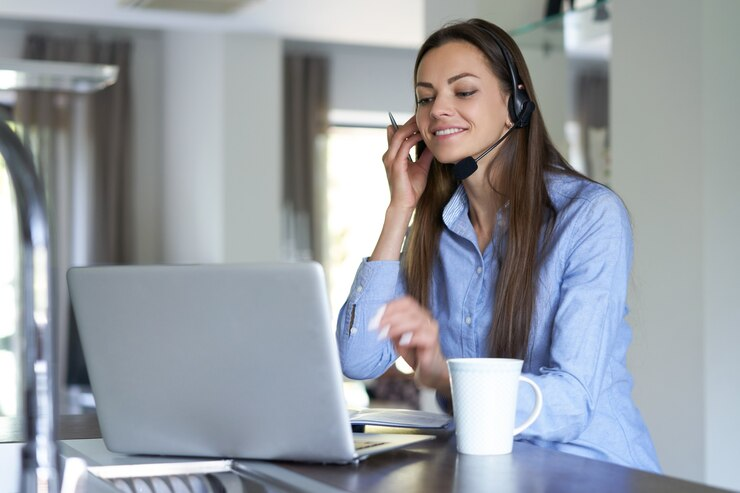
{"points": [[524, 258]]}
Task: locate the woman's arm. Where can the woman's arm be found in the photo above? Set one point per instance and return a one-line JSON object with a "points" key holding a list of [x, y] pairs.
{"points": [[379, 280], [363, 354]]}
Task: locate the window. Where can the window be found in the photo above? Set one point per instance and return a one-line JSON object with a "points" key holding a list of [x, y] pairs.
{"points": [[357, 195]]}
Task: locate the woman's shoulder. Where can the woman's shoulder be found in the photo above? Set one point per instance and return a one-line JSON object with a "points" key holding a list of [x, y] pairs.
{"points": [[568, 191], [583, 205]]}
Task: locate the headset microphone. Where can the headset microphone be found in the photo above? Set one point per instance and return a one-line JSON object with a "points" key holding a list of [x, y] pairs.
{"points": [[466, 167], [463, 169]]}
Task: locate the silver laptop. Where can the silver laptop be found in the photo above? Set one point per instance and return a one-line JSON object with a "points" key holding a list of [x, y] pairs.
{"points": [[231, 361]]}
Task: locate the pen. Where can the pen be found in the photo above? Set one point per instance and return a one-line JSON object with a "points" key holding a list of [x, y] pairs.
{"points": [[395, 127], [393, 121]]}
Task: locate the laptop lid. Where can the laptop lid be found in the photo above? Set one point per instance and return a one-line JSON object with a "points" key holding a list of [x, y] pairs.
{"points": [[214, 360]]}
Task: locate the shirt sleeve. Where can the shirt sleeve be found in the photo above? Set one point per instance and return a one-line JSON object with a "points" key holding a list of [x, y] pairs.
{"points": [[362, 355], [589, 333]]}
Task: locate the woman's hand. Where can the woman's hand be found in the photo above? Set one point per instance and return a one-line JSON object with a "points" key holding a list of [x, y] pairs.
{"points": [[406, 179], [415, 336]]}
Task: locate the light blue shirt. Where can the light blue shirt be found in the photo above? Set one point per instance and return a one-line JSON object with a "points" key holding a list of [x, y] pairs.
{"points": [[579, 337]]}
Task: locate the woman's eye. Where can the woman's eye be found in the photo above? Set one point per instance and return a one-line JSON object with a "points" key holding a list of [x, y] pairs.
{"points": [[424, 101], [466, 94]]}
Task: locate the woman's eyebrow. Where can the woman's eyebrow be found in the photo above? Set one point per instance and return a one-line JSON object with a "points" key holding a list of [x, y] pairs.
{"points": [[449, 81], [460, 76]]}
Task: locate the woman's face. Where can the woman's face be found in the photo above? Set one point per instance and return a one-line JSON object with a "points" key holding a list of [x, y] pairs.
{"points": [[460, 109]]}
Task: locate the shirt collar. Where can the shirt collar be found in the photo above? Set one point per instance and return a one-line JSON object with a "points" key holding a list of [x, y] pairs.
{"points": [[455, 215], [456, 206]]}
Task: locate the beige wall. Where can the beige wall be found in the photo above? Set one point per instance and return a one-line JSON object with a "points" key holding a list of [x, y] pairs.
{"points": [[674, 108], [720, 69]]}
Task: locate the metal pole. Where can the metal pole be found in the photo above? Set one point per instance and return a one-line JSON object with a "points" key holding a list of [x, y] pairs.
{"points": [[40, 460]]}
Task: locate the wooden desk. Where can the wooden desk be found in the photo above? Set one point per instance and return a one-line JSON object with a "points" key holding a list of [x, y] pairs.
{"points": [[437, 467]]}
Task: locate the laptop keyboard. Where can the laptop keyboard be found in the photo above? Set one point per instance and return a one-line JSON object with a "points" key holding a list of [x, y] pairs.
{"points": [[224, 482]]}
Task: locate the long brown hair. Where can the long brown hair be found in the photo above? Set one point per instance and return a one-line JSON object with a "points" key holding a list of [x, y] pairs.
{"points": [[523, 159]]}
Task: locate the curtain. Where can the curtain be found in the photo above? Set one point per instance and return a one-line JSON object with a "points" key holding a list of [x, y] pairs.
{"points": [[306, 126], [81, 144]]}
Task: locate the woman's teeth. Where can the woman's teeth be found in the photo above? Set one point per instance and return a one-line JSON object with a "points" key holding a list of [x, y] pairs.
{"points": [[448, 131]]}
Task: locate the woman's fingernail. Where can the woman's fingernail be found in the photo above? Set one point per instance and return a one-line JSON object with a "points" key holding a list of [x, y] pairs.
{"points": [[384, 332], [405, 339], [374, 322]]}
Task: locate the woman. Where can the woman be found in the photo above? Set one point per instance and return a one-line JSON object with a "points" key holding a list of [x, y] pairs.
{"points": [[524, 258]]}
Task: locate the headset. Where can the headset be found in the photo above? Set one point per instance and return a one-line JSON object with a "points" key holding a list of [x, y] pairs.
{"points": [[520, 106]]}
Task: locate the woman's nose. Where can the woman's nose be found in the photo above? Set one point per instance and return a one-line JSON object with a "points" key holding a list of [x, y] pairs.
{"points": [[441, 106]]}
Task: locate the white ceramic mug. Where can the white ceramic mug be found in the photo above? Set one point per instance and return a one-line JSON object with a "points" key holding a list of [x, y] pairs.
{"points": [[484, 398]]}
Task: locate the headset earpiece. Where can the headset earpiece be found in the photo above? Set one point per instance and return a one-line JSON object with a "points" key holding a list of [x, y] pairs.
{"points": [[520, 106], [525, 114]]}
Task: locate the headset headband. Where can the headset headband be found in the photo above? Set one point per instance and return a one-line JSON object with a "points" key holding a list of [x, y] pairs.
{"points": [[520, 106]]}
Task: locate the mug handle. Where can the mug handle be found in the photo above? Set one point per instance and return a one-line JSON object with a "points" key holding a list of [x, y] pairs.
{"points": [[537, 406]]}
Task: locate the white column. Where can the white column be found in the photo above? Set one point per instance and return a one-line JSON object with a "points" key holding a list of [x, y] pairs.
{"points": [[222, 147], [252, 144], [193, 152], [674, 110], [147, 131], [657, 169], [720, 71]]}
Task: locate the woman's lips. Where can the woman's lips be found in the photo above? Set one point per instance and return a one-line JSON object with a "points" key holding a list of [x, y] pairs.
{"points": [[448, 131]]}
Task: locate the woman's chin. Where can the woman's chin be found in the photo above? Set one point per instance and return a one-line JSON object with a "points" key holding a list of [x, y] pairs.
{"points": [[450, 158]]}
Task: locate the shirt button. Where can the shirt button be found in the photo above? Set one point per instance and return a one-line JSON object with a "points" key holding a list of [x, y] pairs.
{"points": [[353, 331], [468, 320], [359, 288], [479, 270]]}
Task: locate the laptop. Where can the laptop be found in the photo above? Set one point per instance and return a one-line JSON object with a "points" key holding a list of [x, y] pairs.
{"points": [[228, 361]]}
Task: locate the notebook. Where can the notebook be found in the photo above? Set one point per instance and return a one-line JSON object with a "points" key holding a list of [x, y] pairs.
{"points": [[229, 361]]}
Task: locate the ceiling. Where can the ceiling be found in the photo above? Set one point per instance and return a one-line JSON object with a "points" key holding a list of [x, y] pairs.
{"points": [[396, 23]]}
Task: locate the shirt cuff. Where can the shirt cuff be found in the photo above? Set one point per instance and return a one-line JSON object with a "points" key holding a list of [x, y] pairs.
{"points": [[376, 281]]}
